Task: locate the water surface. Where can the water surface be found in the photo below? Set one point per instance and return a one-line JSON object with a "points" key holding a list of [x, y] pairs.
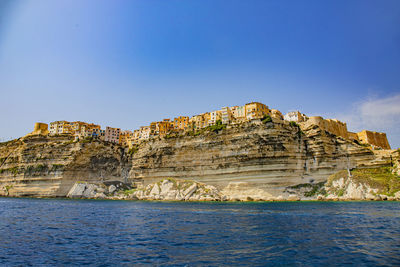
{"points": [[102, 233]]}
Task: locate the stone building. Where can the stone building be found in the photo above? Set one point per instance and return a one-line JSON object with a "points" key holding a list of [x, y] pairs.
{"points": [[40, 128], [374, 138]]}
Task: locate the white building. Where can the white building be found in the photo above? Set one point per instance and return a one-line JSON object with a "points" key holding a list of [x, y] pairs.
{"points": [[214, 116], [295, 116]]}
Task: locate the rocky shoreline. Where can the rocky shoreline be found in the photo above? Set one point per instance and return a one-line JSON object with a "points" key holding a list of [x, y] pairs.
{"points": [[338, 188]]}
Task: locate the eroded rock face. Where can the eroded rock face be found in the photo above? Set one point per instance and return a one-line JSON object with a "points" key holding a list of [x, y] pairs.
{"points": [[267, 157], [252, 160], [178, 190], [44, 166]]}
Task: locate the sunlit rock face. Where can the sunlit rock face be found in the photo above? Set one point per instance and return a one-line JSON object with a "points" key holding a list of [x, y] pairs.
{"points": [[253, 159], [267, 156], [44, 166]]}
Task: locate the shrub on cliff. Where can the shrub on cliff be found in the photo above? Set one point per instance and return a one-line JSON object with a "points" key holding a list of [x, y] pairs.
{"points": [[266, 119]]}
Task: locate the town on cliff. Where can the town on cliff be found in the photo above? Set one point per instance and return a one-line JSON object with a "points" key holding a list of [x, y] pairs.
{"points": [[224, 116]]}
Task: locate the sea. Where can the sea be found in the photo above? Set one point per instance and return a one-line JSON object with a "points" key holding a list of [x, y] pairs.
{"points": [[61, 232]]}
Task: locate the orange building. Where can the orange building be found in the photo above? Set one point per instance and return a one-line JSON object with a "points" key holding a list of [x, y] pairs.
{"points": [[199, 121], [125, 137], [256, 110], [181, 123]]}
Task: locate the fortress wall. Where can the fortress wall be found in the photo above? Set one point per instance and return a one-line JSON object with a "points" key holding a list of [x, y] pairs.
{"points": [[374, 138], [335, 127]]}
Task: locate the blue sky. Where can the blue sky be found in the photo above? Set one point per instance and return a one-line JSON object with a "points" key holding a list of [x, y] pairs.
{"points": [[125, 63]]}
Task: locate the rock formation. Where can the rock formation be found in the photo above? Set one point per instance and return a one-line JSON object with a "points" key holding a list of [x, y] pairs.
{"points": [[259, 160], [48, 166]]}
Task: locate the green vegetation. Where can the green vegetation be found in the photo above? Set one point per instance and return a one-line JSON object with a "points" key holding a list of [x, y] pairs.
{"points": [[315, 189], [56, 167], [266, 119], [87, 139], [133, 150], [14, 170], [129, 192], [38, 168], [381, 178], [294, 124], [218, 126], [7, 188]]}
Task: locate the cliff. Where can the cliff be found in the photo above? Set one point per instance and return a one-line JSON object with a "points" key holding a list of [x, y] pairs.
{"points": [[257, 160], [45, 166], [267, 156]]}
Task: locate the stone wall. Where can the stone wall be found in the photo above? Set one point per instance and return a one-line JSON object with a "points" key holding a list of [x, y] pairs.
{"points": [[374, 138], [333, 126]]}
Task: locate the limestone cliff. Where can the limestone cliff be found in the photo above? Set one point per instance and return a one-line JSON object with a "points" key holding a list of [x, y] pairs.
{"points": [[258, 159], [44, 166], [267, 156]]}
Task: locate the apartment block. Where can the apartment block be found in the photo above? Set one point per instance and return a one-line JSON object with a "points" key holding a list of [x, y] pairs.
{"points": [[295, 116], [112, 135], [60, 127], [181, 123], [214, 116], [226, 115], [256, 110]]}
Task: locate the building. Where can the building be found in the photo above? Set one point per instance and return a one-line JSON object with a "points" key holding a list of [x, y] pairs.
{"points": [[40, 128], [134, 139], [214, 117], [181, 123], [239, 113], [256, 110], [226, 115], [295, 116], [199, 121], [164, 127], [374, 138], [144, 133], [102, 134], [125, 137], [60, 127], [112, 135], [276, 114], [89, 130]]}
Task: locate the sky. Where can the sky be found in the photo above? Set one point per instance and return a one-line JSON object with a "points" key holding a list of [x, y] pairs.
{"points": [[126, 63]]}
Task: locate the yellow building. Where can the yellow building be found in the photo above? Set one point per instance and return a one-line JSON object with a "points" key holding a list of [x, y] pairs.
{"points": [[87, 130], [256, 110], [61, 127], [276, 114], [199, 121], [214, 117], [181, 123], [374, 138], [40, 128], [125, 138], [226, 115], [164, 127]]}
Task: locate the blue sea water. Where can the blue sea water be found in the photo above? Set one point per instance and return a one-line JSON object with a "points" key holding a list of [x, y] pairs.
{"points": [[49, 232]]}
